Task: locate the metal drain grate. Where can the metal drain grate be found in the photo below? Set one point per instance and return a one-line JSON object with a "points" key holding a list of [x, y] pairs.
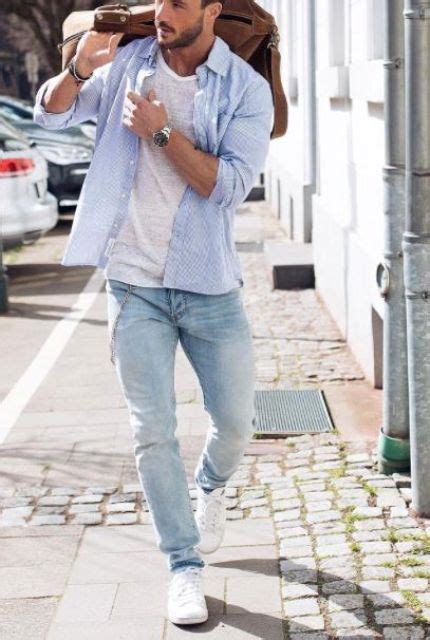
{"points": [[250, 247], [290, 411]]}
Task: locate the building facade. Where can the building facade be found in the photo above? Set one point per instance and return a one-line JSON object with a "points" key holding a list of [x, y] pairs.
{"points": [[324, 177]]}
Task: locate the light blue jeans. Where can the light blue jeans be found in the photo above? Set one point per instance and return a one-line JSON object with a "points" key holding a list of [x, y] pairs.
{"points": [[144, 326]]}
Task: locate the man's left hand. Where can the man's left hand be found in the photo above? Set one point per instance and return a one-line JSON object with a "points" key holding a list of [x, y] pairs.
{"points": [[142, 115]]}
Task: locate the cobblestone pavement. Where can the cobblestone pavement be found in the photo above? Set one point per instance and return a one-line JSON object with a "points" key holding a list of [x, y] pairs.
{"points": [[296, 341], [353, 561]]}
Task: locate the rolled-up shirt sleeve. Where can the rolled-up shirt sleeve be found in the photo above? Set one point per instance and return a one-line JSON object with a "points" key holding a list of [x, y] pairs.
{"points": [[85, 106], [244, 146]]}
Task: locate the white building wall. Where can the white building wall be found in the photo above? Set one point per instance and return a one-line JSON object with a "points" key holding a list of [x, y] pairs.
{"points": [[339, 207]]}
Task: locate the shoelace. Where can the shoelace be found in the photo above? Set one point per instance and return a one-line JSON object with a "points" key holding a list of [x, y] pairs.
{"points": [[186, 585], [209, 512]]}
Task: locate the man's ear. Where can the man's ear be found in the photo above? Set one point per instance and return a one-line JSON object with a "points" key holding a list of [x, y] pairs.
{"points": [[214, 10]]}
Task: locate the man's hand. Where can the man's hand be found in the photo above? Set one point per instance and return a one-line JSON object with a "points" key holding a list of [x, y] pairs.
{"points": [[142, 115], [96, 49]]}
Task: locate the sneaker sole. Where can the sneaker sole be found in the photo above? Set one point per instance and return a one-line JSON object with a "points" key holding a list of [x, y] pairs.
{"points": [[206, 552], [211, 550], [178, 620]]}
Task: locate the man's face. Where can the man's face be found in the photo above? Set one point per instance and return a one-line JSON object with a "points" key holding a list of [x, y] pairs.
{"points": [[179, 22]]}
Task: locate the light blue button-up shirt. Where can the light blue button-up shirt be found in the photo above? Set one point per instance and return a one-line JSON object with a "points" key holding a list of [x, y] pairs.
{"points": [[232, 118]]}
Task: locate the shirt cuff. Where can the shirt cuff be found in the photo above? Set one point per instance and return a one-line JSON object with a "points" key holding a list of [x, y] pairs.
{"points": [[224, 182]]}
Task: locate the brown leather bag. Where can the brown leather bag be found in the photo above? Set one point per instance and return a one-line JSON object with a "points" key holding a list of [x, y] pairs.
{"points": [[250, 31]]}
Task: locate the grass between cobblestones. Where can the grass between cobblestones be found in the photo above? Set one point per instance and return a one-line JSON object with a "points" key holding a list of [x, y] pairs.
{"points": [[344, 591]]}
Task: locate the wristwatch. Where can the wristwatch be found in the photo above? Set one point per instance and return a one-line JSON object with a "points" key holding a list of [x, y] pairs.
{"points": [[71, 67], [161, 137]]}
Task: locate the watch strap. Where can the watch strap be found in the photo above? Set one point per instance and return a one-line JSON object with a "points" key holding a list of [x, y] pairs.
{"points": [[167, 127]]}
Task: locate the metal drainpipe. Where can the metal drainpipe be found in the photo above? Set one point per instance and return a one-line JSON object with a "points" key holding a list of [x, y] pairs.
{"points": [[416, 244], [394, 452], [309, 112], [4, 279]]}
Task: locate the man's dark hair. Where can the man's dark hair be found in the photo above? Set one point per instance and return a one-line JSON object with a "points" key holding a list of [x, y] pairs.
{"points": [[206, 2]]}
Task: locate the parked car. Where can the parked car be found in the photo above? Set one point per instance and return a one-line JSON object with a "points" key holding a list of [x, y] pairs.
{"points": [[68, 151], [27, 209], [17, 109], [89, 129]]}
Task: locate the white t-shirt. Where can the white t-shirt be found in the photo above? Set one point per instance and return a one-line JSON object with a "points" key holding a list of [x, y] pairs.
{"points": [[139, 253]]}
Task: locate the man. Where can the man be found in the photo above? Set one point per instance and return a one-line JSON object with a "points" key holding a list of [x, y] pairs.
{"points": [[183, 132]]}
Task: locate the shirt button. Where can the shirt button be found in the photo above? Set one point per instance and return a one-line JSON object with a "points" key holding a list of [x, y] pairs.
{"points": [[131, 161]]}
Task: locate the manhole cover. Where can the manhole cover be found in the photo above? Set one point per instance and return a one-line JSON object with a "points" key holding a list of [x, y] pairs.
{"points": [[290, 411]]}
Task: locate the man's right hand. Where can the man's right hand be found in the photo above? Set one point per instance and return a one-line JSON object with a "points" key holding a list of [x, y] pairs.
{"points": [[96, 49]]}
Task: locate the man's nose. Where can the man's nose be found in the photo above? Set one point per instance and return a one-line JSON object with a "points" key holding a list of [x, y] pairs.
{"points": [[162, 14]]}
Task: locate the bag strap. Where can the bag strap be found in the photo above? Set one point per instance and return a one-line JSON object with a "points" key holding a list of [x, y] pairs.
{"points": [[279, 99]]}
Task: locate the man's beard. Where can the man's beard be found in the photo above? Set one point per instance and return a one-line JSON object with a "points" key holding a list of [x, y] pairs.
{"points": [[187, 37]]}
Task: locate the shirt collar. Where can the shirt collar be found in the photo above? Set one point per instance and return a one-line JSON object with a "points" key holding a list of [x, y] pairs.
{"points": [[217, 59]]}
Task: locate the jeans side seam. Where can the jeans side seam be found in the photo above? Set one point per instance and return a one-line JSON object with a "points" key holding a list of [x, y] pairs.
{"points": [[112, 340]]}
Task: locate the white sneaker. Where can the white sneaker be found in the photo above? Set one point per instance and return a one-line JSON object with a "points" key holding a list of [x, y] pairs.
{"points": [[210, 518], [186, 599]]}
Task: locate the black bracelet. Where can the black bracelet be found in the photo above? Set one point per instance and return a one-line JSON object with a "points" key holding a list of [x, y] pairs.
{"points": [[72, 69]]}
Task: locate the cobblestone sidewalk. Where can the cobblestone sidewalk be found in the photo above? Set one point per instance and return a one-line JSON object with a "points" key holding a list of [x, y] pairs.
{"points": [[353, 562], [297, 343]]}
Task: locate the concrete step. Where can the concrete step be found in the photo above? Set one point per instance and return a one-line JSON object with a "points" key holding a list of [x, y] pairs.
{"points": [[257, 192], [291, 264]]}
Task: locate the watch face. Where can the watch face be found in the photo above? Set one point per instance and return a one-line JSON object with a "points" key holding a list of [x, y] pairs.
{"points": [[161, 138]]}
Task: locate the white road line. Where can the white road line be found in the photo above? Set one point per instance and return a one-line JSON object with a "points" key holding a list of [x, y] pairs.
{"points": [[20, 394]]}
